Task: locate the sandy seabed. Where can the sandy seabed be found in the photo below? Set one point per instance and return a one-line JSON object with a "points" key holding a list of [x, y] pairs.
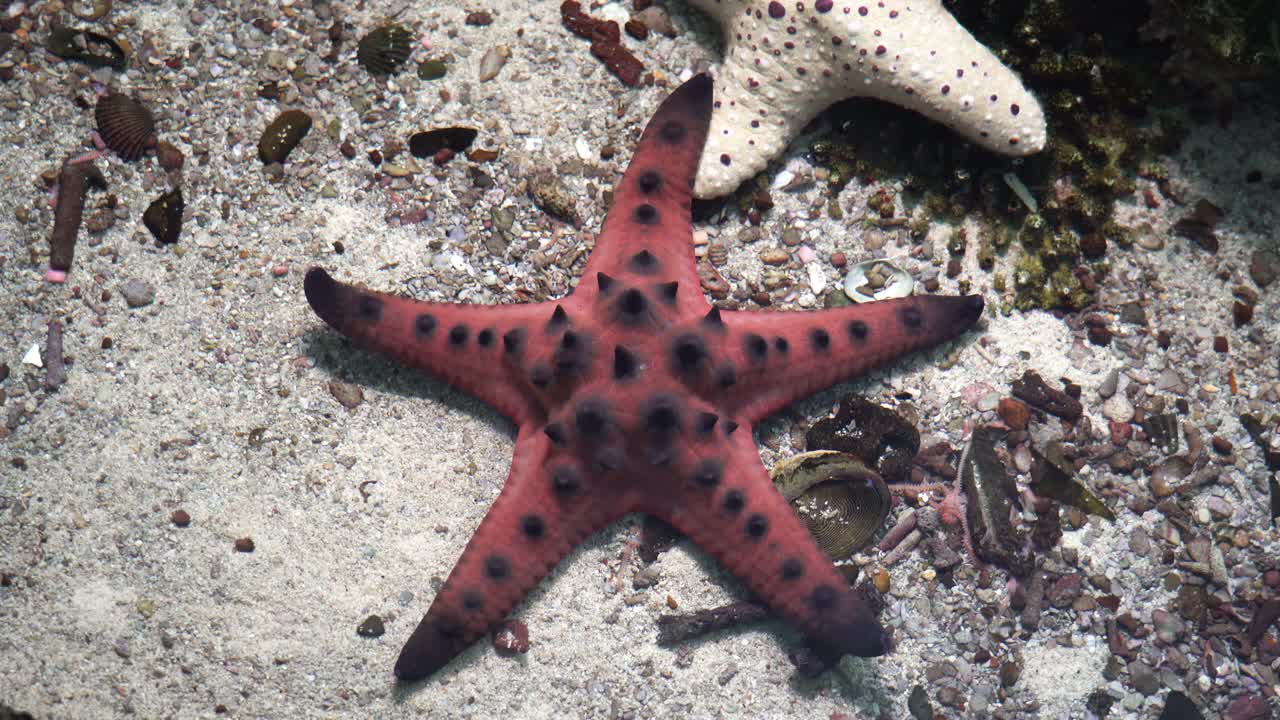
{"points": [[199, 380]]}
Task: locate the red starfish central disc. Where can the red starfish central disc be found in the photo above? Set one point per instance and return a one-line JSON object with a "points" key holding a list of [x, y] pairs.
{"points": [[634, 394]]}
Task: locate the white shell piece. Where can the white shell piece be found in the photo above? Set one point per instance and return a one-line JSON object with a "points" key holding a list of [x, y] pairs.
{"points": [[877, 280]]}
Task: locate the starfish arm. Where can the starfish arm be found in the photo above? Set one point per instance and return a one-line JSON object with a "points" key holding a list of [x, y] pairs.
{"points": [[545, 509], [475, 348], [785, 356], [648, 231], [748, 527], [784, 63]]}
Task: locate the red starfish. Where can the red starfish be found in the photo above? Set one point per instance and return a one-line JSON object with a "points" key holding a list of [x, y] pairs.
{"points": [[633, 394]]}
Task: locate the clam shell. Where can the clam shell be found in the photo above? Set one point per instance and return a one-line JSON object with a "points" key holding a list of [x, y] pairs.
{"points": [[842, 502], [125, 124], [163, 217], [877, 280], [385, 49], [429, 142], [283, 135], [90, 48]]}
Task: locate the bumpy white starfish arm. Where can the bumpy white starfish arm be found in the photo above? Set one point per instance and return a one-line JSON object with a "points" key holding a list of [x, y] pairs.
{"points": [[786, 62]]}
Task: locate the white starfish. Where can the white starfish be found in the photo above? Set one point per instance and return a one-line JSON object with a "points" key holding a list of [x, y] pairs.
{"points": [[787, 61]]}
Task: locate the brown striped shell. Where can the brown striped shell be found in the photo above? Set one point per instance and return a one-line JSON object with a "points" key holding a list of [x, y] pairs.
{"points": [[385, 49], [841, 500], [125, 124]]}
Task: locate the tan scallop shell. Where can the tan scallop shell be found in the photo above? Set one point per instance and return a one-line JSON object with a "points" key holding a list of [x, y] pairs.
{"points": [[839, 498], [125, 124]]}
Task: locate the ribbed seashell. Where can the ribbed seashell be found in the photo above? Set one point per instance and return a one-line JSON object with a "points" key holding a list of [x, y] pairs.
{"points": [[125, 124], [163, 217], [385, 49], [283, 135], [841, 500]]}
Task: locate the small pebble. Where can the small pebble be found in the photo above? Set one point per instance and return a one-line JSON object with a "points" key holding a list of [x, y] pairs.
{"points": [[180, 518], [372, 627], [138, 293], [244, 545]]}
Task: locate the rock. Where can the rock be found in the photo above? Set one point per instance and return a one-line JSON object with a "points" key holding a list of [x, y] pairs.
{"points": [[1264, 267], [1014, 413], [1118, 408], [138, 293], [372, 627], [1143, 678]]}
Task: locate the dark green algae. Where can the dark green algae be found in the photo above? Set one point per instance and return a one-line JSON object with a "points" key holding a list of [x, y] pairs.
{"points": [[1106, 73]]}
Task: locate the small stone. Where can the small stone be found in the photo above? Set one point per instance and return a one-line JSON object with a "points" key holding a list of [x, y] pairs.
{"points": [[646, 578], [1143, 678], [1009, 674], [1014, 413], [1109, 384], [1264, 267], [656, 19], [839, 259], [1241, 313], [138, 293], [244, 545], [774, 256], [479, 18], [727, 674], [1118, 408], [1064, 591], [1221, 445], [511, 637], [1220, 344], [372, 627], [493, 61], [181, 518], [348, 395]]}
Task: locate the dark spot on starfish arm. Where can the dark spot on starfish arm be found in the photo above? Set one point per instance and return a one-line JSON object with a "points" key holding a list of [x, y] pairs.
{"points": [[424, 325], [513, 340], [792, 569], [649, 182], [858, 331], [610, 459], [822, 598], [472, 600], [729, 427], [497, 568], [911, 318], [706, 423], [755, 347], [734, 501], [369, 308], [631, 306], [643, 263], [604, 282], [708, 473], [458, 336], [662, 417], [540, 375], [485, 338], [645, 214], [557, 433], [756, 527], [592, 418], [820, 339], [781, 345], [726, 375], [565, 481], [624, 364], [533, 526], [673, 131], [667, 291], [688, 353], [559, 318], [713, 320]]}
